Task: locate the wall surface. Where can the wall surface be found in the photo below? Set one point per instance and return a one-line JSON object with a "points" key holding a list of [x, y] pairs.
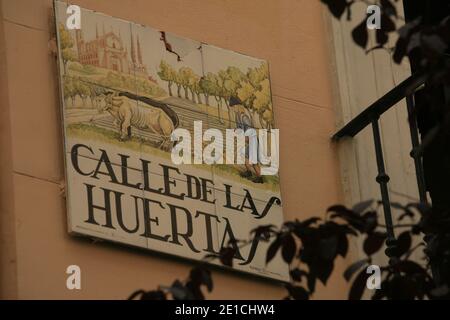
{"points": [[35, 246]]}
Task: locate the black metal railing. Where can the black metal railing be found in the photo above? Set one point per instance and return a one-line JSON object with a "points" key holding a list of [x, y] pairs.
{"points": [[371, 116]]}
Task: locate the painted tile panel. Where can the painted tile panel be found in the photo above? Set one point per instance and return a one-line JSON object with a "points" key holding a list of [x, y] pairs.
{"points": [[125, 89]]}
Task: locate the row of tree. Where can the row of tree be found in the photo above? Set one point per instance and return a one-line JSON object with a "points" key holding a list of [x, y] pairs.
{"points": [[139, 85], [66, 44], [78, 86], [85, 88], [251, 88]]}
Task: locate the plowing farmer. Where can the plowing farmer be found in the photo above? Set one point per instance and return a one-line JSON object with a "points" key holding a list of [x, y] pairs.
{"points": [[244, 121]]}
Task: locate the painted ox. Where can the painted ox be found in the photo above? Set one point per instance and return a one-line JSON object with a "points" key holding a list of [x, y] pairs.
{"points": [[129, 110]]}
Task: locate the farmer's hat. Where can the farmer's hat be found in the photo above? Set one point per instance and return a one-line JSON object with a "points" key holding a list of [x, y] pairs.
{"points": [[234, 101]]}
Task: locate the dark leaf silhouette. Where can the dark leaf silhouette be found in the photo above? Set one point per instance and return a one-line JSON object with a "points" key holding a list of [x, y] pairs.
{"points": [[297, 293], [354, 267], [387, 24], [362, 206], [360, 35], [423, 208], [358, 286], [324, 270], [311, 281], [336, 7], [381, 37], [388, 7], [342, 247], [289, 248], [273, 249], [264, 232], [297, 274], [403, 42], [403, 243], [410, 267], [202, 276], [373, 242], [339, 209], [328, 248], [148, 295], [370, 221], [194, 291], [310, 221], [179, 291], [400, 50], [226, 256], [407, 212], [401, 288]]}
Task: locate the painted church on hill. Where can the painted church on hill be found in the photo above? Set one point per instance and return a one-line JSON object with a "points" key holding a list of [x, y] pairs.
{"points": [[108, 51]]}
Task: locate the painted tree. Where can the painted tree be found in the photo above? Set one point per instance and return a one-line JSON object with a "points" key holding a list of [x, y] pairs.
{"points": [[185, 74], [257, 75], [231, 80], [195, 88], [66, 43], [167, 73], [94, 92], [262, 104], [177, 81], [82, 89], [207, 84], [217, 93], [254, 92], [69, 90], [245, 93], [222, 79]]}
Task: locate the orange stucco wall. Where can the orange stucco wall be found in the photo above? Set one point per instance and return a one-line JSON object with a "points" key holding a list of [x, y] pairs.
{"points": [[35, 246]]}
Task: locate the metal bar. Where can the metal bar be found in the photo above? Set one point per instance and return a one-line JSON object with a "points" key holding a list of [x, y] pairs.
{"points": [[414, 152], [383, 179], [376, 109]]}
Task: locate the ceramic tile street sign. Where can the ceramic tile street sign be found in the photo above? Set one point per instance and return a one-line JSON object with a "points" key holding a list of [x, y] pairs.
{"points": [[124, 89]]}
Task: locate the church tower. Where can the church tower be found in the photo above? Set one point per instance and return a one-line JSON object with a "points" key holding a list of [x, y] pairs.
{"points": [[79, 41]]}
